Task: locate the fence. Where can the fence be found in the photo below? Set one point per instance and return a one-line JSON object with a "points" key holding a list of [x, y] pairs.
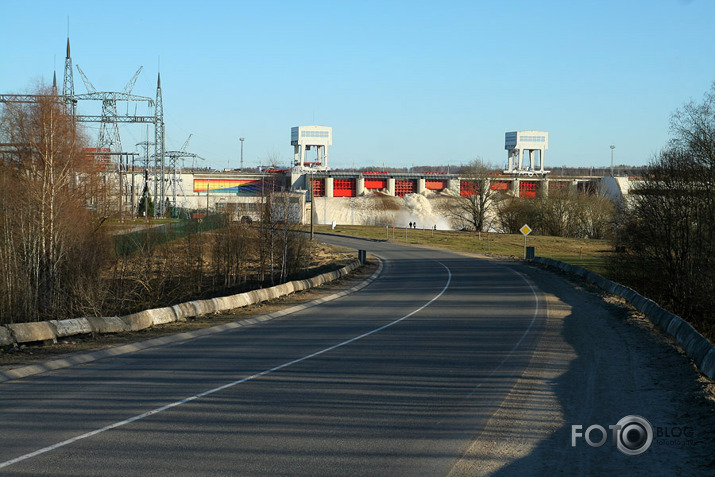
{"points": [[126, 244]]}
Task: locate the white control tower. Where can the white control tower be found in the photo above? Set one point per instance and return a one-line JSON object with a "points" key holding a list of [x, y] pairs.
{"points": [[302, 138], [518, 142]]}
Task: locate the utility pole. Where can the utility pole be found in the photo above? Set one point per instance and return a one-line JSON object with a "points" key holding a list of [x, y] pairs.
{"points": [[312, 204], [241, 139]]}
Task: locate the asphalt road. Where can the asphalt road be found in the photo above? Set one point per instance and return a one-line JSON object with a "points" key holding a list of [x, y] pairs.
{"points": [[392, 380], [396, 379]]}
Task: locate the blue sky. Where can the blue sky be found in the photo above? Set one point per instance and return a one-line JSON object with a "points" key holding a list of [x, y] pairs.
{"points": [[402, 83]]}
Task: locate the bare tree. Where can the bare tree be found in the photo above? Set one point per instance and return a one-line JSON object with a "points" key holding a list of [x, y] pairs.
{"points": [[668, 235], [513, 212], [230, 250], [476, 195], [46, 226], [563, 213]]}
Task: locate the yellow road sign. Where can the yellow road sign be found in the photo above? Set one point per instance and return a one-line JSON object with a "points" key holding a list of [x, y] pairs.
{"points": [[525, 230]]}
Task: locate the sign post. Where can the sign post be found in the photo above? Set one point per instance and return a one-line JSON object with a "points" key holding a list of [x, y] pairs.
{"points": [[525, 230]]}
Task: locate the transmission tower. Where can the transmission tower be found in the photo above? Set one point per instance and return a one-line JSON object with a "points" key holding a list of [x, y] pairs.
{"points": [[175, 159], [68, 84], [109, 119], [109, 125], [159, 148]]}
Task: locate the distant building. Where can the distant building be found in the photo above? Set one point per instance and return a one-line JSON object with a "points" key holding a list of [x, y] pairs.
{"points": [[519, 142], [302, 138]]}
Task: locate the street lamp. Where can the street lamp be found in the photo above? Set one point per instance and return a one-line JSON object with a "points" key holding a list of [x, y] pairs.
{"points": [[241, 139], [612, 148]]}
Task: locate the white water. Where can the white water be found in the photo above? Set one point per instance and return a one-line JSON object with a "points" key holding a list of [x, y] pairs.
{"points": [[381, 210]]}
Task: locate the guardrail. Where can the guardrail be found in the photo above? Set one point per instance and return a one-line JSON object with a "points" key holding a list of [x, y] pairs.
{"points": [[19, 333], [695, 345]]}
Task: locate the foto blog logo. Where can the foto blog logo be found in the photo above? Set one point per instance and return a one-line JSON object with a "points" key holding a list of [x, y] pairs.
{"points": [[632, 435]]}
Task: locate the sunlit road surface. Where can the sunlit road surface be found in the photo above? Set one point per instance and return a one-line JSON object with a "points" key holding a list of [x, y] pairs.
{"points": [[395, 379]]}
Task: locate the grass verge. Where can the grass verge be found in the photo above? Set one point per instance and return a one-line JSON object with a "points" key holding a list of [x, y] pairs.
{"points": [[590, 254]]}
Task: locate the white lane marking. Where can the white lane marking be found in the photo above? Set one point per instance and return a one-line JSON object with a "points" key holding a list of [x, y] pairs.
{"points": [[225, 386]]}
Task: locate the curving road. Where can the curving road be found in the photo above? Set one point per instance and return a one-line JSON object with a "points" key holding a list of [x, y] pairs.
{"points": [[399, 378]]}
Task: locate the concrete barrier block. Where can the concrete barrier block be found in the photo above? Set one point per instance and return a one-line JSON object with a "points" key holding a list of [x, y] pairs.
{"points": [[187, 310], [616, 289], [289, 288], [224, 303], [629, 294], [6, 337], [698, 348], [107, 324], [272, 292], [29, 332], [282, 289], [261, 295], [673, 326], [662, 318], [241, 300], [609, 286], [602, 282], [162, 316], [686, 335], [208, 306], [620, 290], [298, 285], [204, 307], [178, 312], [639, 303], [301, 285], [71, 327], [251, 297], [708, 364], [138, 321], [648, 306]]}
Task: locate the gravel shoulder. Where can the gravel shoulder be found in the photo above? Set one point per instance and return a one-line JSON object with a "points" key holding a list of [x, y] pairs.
{"points": [[598, 360]]}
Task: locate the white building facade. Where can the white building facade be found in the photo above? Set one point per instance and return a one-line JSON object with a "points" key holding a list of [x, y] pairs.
{"points": [[530, 142]]}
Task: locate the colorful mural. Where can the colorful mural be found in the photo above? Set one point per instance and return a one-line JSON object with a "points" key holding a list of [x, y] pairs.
{"points": [[250, 187]]}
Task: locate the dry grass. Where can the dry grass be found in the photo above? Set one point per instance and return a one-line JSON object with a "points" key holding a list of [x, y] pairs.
{"points": [[590, 254]]}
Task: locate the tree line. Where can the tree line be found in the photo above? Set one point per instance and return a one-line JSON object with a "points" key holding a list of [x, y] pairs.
{"points": [[56, 259], [564, 212], [665, 231]]}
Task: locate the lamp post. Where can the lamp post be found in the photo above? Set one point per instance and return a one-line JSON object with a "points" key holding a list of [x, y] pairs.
{"points": [[312, 205], [241, 139], [612, 148]]}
